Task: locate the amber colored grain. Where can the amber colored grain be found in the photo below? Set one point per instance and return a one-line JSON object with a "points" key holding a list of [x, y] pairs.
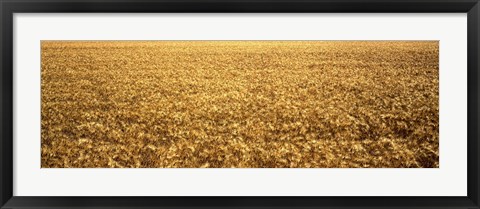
{"points": [[251, 104]]}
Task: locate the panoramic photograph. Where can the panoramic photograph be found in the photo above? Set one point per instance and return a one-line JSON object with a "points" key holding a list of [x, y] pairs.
{"points": [[239, 104]]}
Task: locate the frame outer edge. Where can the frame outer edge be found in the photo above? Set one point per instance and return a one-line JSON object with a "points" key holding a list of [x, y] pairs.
{"points": [[6, 102], [6, 99], [475, 144], [477, 147], [2, 201], [473, 103]]}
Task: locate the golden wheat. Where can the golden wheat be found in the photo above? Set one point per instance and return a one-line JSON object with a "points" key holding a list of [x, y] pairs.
{"points": [[251, 104]]}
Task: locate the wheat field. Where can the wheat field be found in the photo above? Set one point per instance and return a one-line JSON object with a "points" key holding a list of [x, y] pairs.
{"points": [[242, 104]]}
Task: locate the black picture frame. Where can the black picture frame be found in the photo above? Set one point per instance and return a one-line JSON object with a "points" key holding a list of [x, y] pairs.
{"points": [[9, 7]]}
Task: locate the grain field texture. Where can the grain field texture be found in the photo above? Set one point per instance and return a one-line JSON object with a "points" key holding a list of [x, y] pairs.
{"points": [[243, 104]]}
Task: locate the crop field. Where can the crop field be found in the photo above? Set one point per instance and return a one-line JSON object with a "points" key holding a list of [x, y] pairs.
{"points": [[242, 104]]}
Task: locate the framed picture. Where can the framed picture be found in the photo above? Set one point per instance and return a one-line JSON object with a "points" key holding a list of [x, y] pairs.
{"points": [[239, 104]]}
